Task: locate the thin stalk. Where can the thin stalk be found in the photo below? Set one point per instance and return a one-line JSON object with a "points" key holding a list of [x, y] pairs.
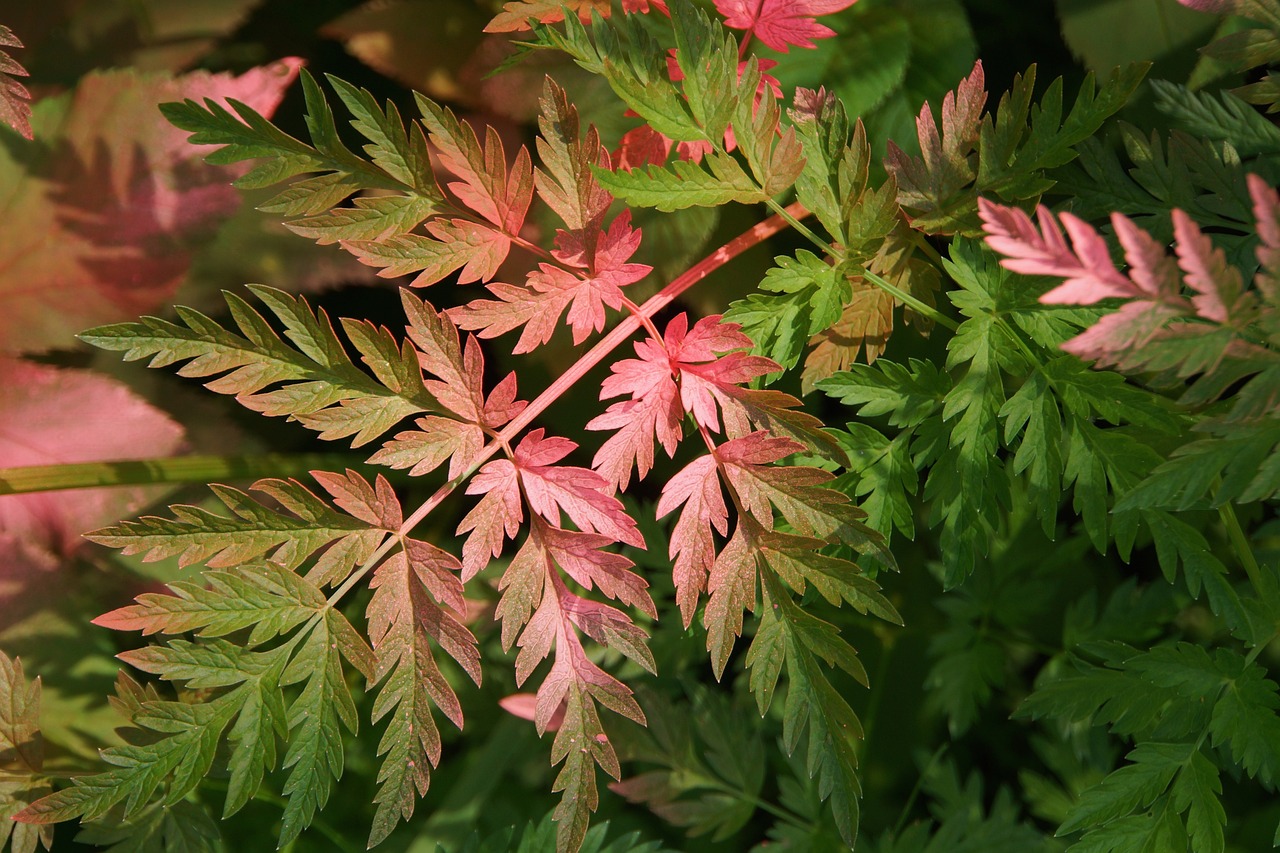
{"points": [[915, 790], [619, 334], [1240, 544], [887, 286], [174, 469], [779, 812], [800, 227], [907, 299]]}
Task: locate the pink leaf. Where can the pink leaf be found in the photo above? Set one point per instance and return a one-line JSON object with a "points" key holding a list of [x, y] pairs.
{"points": [[551, 289], [1085, 264], [499, 195], [1215, 281], [103, 228], [1266, 210], [697, 488], [54, 417], [375, 505], [779, 23]]}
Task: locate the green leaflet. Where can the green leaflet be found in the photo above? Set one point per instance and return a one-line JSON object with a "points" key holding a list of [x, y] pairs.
{"points": [[319, 385], [684, 184], [811, 295]]}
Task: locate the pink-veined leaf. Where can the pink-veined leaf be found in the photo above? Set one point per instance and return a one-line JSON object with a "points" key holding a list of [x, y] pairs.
{"points": [[592, 278], [404, 622], [498, 193], [927, 182], [781, 23], [102, 227], [15, 106], [697, 488], [580, 493]]}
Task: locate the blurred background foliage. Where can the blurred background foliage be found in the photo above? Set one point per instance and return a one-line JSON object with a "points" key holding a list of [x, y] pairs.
{"points": [[943, 768]]}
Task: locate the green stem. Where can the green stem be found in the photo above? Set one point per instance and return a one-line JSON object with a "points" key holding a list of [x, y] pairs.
{"points": [[1240, 544], [799, 226], [175, 469], [779, 812], [907, 299], [915, 790]]}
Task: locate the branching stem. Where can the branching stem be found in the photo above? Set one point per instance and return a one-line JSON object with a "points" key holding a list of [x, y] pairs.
{"points": [[616, 336]]}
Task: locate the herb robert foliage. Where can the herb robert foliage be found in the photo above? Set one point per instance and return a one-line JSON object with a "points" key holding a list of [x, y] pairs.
{"points": [[1148, 697]]}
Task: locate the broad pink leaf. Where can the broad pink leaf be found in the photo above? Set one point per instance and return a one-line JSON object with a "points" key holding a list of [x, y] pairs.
{"points": [[103, 229], [54, 416], [781, 23], [15, 109], [51, 417]]}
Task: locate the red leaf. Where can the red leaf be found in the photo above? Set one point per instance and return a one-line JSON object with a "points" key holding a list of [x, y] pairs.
{"points": [[579, 493], [779, 23], [697, 488], [486, 186], [551, 289], [101, 227]]}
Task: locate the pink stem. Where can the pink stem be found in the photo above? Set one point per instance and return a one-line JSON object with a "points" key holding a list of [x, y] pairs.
{"points": [[620, 333]]}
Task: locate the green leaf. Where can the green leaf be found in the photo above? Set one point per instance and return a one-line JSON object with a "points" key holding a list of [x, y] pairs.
{"points": [[1132, 787], [1245, 719], [683, 185], [1224, 118], [182, 826], [315, 755], [318, 384], [253, 531], [1198, 792]]}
